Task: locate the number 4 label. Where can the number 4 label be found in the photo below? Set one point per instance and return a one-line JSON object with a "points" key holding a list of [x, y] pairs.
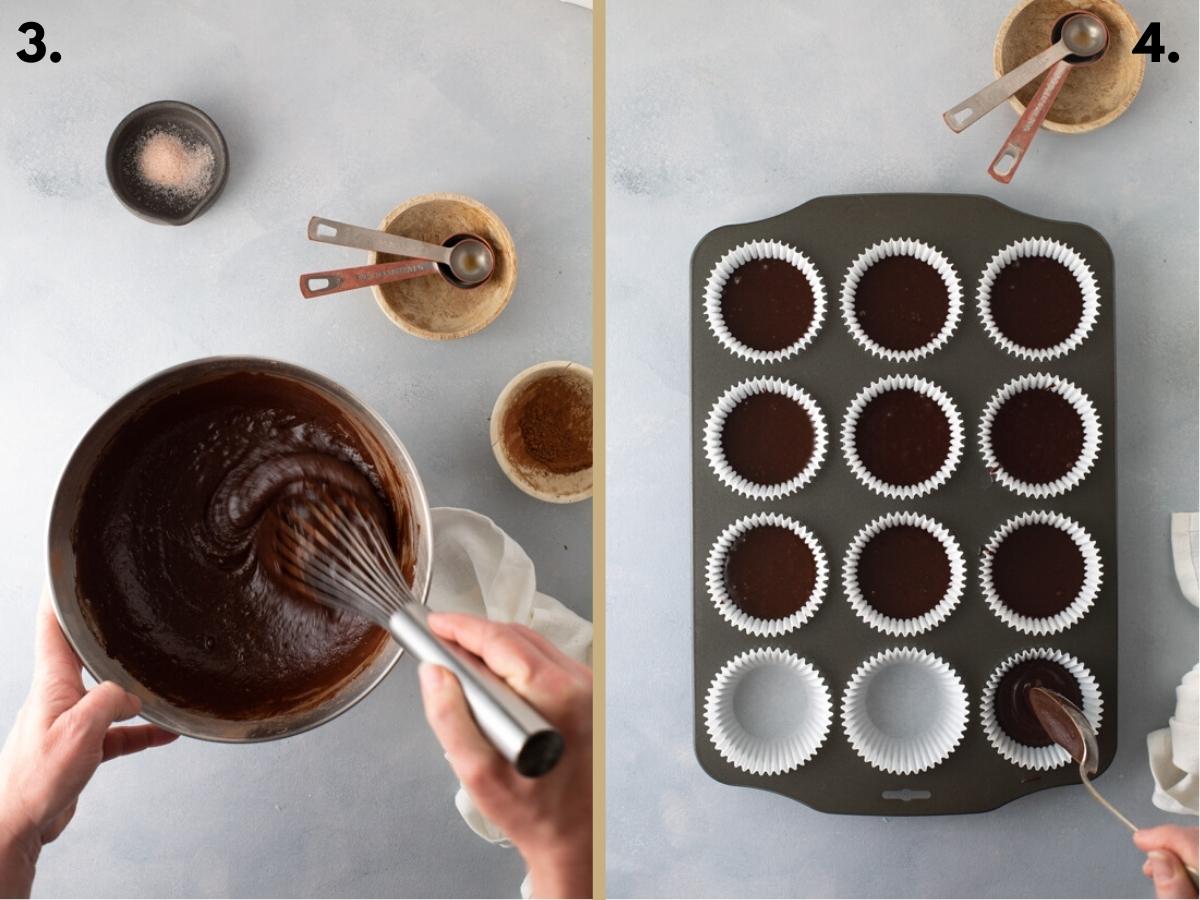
{"points": [[1150, 44]]}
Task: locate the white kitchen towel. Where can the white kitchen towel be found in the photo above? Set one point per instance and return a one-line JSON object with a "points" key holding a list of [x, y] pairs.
{"points": [[1175, 750], [479, 569]]}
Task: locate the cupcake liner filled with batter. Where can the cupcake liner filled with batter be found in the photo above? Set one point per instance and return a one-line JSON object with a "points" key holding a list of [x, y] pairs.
{"points": [[903, 574], [768, 711], [1008, 720], [1039, 435], [1040, 572], [767, 574], [905, 710], [1038, 299], [902, 436], [901, 299], [764, 301], [765, 438]]}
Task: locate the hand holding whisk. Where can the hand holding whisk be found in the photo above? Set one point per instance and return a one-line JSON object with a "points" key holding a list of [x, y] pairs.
{"points": [[340, 556]]}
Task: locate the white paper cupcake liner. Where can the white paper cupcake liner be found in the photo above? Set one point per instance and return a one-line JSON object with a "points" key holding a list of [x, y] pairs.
{"points": [[921, 386], [716, 454], [735, 615], [1059, 252], [723, 271], [917, 250], [768, 711], [1093, 569], [1091, 435], [905, 710], [1039, 759], [926, 621]]}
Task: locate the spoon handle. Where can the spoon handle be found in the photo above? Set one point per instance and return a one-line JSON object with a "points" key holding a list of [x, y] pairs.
{"points": [[338, 280], [328, 231], [1004, 166], [980, 104]]}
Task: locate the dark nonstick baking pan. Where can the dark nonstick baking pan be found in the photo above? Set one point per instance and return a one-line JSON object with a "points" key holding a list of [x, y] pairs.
{"points": [[969, 230]]}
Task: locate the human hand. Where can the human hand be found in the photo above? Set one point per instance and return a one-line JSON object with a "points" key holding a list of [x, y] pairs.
{"points": [[61, 735], [549, 818], [1168, 847]]}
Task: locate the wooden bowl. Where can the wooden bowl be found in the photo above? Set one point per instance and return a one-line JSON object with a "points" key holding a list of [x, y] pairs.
{"points": [[1094, 94], [530, 477], [431, 307]]}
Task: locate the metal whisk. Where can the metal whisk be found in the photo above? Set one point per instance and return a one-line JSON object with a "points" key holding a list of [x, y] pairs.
{"points": [[341, 556]]}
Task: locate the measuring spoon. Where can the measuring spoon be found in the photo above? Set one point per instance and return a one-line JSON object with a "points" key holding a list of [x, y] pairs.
{"points": [[1067, 726], [318, 284], [1083, 35], [1004, 166], [467, 260]]}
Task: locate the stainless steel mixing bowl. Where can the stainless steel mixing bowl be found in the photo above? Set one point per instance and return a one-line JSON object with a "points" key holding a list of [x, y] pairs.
{"points": [[388, 455]]}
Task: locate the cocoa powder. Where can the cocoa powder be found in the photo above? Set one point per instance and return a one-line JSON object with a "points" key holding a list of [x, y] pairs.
{"points": [[549, 425]]}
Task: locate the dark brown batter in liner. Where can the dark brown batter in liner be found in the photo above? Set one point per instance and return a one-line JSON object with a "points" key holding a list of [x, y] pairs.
{"points": [[1037, 570], [770, 572], [903, 572], [902, 437], [1036, 302], [173, 546], [768, 438], [1037, 436], [1013, 712], [767, 304], [901, 302]]}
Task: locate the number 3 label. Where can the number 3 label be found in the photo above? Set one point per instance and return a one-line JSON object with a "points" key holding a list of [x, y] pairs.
{"points": [[35, 42]]}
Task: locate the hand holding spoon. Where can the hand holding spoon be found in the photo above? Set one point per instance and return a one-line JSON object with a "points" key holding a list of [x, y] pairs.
{"points": [[1067, 726], [466, 260], [1083, 35]]}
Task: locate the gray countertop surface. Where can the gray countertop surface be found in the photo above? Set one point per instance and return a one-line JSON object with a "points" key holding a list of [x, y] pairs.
{"points": [[719, 115], [342, 110]]}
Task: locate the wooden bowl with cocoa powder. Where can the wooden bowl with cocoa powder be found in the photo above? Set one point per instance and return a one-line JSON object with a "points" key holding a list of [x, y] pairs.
{"points": [[541, 431]]}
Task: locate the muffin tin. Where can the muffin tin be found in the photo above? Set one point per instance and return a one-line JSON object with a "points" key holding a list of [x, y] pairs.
{"points": [[831, 233]]}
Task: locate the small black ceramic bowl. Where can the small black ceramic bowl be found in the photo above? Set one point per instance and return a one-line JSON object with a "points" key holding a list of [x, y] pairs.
{"points": [[190, 123]]}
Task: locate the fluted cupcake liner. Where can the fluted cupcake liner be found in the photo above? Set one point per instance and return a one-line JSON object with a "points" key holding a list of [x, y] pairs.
{"points": [[1050, 249], [921, 386], [922, 717], [768, 711], [1038, 759], [723, 271], [1093, 569], [1091, 435], [889, 624], [713, 450], [918, 250], [733, 614]]}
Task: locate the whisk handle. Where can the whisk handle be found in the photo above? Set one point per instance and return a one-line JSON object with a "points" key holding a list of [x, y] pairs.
{"points": [[514, 727]]}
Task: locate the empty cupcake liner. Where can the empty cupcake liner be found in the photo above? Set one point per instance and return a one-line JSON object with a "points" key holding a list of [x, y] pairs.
{"points": [[1091, 435], [723, 271], [1093, 569], [905, 710], [926, 621], [1050, 249], [917, 250], [768, 711], [733, 614], [716, 454], [921, 386], [1038, 759]]}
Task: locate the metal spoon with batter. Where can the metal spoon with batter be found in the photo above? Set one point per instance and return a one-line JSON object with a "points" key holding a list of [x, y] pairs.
{"points": [[1067, 726], [467, 259], [1083, 35]]}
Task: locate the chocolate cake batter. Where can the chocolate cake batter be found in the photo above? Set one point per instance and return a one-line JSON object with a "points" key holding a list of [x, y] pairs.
{"points": [[1013, 712], [767, 304], [770, 572], [1036, 302], [901, 302], [768, 438], [1037, 436], [1037, 570], [174, 536], [903, 572], [902, 437]]}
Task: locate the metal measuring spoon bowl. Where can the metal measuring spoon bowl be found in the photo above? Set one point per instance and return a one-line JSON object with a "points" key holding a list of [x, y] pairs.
{"points": [[1085, 35], [471, 261]]}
